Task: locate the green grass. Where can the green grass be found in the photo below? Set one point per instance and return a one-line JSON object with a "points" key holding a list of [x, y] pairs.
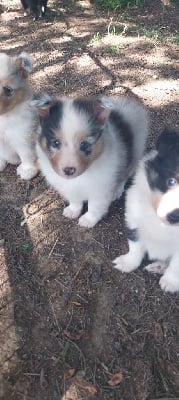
{"points": [[174, 38], [115, 30], [115, 49], [115, 4], [157, 34], [96, 39]]}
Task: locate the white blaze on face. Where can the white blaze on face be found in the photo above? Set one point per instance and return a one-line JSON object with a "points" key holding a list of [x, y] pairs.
{"points": [[167, 202], [73, 128]]}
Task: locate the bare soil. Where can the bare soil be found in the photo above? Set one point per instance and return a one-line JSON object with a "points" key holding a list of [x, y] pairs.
{"points": [[71, 326]]}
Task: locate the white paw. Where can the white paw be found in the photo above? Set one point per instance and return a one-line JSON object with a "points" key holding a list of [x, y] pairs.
{"points": [[27, 171], [14, 160], [169, 282], [125, 263], [157, 267], [87, 220], [71, 212], [2, 165]]}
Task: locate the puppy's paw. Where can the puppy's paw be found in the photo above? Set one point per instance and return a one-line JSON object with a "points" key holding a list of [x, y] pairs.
{"points": [[87, 220], [157, 267], [26, 171], [2, 165], [14, 160], [72, 212], [125, 263], [169, 282]]}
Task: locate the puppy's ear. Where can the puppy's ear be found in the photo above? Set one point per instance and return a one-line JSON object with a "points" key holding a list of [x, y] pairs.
{"points": [[42, 104], [24, 64], [167, 141], [100, 111]]}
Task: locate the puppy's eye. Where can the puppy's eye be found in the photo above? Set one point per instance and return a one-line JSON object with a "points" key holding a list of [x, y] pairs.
{"points": [[8, 91], [56, 144], [171, 182], [85, 147]]}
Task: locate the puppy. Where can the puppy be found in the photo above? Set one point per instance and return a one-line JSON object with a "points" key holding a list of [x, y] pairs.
{"points": [[18, 121], [37, 8], [152, 213], [87, 149]]}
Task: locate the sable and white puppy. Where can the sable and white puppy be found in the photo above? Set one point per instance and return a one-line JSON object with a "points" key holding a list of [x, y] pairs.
{"points": [[37, 8], [152, 213], [87, 149], [18, 121]]}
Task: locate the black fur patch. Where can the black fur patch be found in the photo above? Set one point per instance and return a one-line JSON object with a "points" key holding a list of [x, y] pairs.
{"points": [[35, 7], [125, 132], [86, 106], [51, 123], [166, 163], [132, 234]]}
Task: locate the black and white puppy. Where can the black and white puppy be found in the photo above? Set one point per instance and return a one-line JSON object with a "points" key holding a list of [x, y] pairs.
{"points": [[37, 8], [88, 148], [152, 213]]}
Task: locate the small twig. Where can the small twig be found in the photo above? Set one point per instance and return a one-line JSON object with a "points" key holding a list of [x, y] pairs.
{"points": [[56, 321], [70, 288], [68, 293], [52, 249], [124, 30], [109, 25], [31, 374]]}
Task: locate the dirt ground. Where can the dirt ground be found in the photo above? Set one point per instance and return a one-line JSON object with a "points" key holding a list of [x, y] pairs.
{"points": [[72, 327]]}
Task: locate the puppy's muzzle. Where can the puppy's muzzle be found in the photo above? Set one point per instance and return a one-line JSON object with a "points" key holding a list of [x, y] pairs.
{"points": [[173, 217], [69, 171]]}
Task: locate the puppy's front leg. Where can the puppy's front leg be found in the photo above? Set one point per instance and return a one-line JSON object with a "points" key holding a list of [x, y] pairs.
{"points": [[170, 279], [28, 167], [73, 210], [96, 210], [130, 261]]}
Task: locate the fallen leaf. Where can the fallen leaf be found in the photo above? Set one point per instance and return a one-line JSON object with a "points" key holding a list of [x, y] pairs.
{"points": [[83, 385], [158, 333], [68, 374], [115, 379], [75, 336], [76, 303]]}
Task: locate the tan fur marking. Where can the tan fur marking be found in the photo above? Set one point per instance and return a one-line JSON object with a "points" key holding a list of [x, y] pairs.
{"points": [[66, 157], [22, 71], [8, 103], [43, 144]]}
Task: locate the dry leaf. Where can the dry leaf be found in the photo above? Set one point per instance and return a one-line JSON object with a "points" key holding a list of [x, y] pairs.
{"points": [[158, 333], [75, 336], [91, 389], [115, 379], [68, 374], [83, 385], [76, 303]]}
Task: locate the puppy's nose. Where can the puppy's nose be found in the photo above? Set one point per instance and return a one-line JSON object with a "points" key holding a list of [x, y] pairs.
{"points": [[69, 170], [173, 217]]}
